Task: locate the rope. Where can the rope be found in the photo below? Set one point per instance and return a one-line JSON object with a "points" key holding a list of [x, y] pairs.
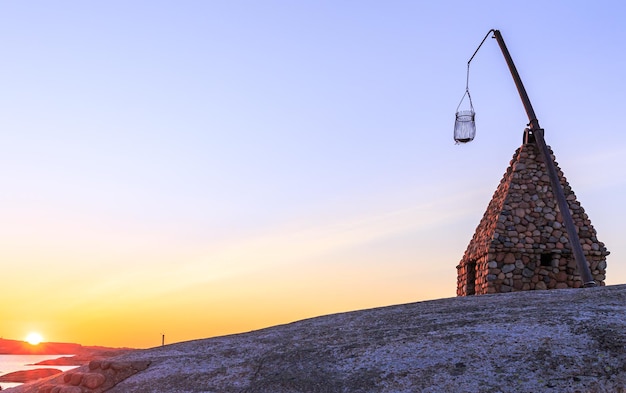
{"points": [[467, 78], [467, 93]]}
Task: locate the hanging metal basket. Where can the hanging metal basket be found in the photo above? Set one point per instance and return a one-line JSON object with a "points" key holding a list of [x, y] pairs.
{"points": [[464, 124]]}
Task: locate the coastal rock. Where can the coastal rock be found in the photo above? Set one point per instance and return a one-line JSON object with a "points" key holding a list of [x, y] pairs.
{"points": [[96, 377], [29, 375], [93, 380]]}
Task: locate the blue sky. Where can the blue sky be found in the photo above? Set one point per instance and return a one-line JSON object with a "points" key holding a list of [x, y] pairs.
{"points": [[299, 154]]}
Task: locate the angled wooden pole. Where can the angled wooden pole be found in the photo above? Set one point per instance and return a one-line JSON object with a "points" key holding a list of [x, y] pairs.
{"points": [[557, 187]]}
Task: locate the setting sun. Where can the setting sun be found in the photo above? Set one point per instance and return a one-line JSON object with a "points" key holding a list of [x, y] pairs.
{"points": [[34, 338]]}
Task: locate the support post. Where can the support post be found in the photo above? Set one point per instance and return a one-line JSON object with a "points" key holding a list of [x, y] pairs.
{"points": [[557, 187]]}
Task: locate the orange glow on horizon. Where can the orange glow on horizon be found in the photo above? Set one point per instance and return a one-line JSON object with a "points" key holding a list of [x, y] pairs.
{"points": [[33, 338]]}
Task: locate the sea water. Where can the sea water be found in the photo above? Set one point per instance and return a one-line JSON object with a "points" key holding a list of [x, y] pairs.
{"points": [[10, 363]]}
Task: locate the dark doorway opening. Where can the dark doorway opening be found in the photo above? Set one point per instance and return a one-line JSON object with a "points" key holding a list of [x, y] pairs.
{"points": [[471, 279]]}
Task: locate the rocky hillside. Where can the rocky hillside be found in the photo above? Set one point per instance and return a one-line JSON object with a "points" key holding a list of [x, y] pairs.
{"points": [[568, 340]]}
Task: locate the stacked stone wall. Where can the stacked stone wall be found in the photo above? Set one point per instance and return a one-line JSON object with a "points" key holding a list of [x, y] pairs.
{"points": [[516, 271], [521, 244]]}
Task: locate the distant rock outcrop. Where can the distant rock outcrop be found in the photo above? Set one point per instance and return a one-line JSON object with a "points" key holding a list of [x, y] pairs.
{"points": [[560, 341], [16, 347], [29, 375]]}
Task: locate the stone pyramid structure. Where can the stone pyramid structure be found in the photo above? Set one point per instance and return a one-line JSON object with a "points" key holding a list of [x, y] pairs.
{"points": [[521, 243]]}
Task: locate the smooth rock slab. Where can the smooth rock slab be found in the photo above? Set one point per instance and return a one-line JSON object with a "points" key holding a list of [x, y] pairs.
{"points": [[97, 377], [29, 375], [541, 341]]}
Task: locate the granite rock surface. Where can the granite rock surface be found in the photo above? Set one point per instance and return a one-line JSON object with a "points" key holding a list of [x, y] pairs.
{"points": [[565, 340]]}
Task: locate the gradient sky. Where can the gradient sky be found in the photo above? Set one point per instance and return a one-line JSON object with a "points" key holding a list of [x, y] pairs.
{"points": [[199, 168]]}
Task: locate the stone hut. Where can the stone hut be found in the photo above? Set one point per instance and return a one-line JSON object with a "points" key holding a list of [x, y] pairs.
{"points": [[521, 243]]}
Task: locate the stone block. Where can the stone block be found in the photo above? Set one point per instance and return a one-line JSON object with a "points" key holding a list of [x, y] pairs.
{"points": [[76, 378], [93, 380]]}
